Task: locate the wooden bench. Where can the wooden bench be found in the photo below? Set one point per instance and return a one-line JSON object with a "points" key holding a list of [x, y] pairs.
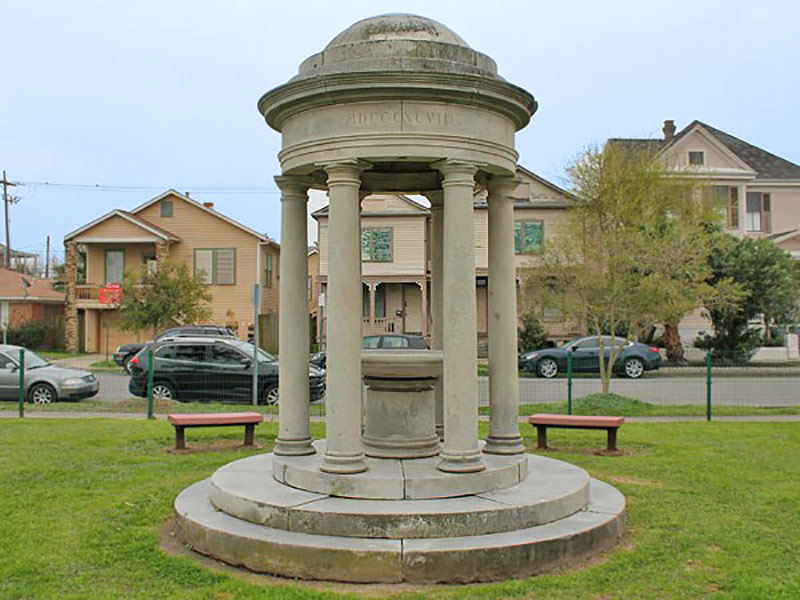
{"points": [[248, 419], [543, 421]]}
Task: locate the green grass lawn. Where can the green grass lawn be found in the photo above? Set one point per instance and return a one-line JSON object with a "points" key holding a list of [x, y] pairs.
{"points": [[713, 511]]}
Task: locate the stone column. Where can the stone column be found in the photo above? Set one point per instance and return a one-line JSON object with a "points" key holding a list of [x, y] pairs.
{"points": [[423, 288], [437, 239], [71, 308], [293, 429], [372, 287], [461, 452], [344, 452], [504, 437], [162, 252]]}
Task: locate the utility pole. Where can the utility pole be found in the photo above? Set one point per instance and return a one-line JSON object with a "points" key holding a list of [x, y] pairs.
{"points": [[47, 260], [6, 200]]}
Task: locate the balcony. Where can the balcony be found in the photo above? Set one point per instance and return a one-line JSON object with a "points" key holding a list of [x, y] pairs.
{"points": [[88, 295]]}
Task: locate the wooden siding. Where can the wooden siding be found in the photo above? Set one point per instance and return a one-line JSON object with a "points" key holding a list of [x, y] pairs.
{"points": [[201, 229], [116, 227], [96, 253], [408, 246]]}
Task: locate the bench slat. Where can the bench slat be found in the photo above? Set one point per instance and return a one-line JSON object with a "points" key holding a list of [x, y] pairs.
{"points": [[199, 419], [575, 420]]}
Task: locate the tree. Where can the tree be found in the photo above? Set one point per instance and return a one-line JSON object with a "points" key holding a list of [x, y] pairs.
{"points": [[769, 282], [532, 334], [162, 297], [633, 249]]}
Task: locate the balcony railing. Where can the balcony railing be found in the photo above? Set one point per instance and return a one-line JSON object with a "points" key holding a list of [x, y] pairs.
{"points": [[87, 291]]}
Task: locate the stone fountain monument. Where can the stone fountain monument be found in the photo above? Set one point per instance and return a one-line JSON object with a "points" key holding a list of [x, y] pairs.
{"points": [[402, 489]]}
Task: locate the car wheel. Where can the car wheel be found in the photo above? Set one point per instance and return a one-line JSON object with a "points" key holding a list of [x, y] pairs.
{"points": [[547, 367], [164, 391], [634, 367], [269, 395], [126, 364], [42, 393]]}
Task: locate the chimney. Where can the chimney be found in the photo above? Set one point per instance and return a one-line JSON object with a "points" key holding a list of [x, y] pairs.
{"points": [[209, 205], [187, 194], [669, 130]]}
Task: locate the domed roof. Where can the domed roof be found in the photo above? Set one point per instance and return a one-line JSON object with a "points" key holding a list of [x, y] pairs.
{"points": [[397, 27], [398, 42]]}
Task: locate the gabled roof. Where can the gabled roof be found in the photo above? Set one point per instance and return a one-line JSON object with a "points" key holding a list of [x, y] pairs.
{"points": [[416, 208], [151, 228], [765, 164], [201, 206], [19, 287]]}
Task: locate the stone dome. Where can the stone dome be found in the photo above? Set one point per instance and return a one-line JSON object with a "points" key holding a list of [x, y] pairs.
{"points": [[398, 42]]}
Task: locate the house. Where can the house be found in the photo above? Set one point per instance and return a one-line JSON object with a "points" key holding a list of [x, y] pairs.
{"points": [[23, 262], [26, 299], [760, 191], [395, 254], [229, 256]]}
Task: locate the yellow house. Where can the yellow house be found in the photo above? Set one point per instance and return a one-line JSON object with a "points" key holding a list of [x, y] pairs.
{"points": [[172, 226], [395, 254]]}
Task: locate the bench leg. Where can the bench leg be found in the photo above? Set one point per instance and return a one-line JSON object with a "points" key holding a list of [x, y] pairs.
{"points": [[180, 438], [612, 438], [541, 437], [249, 434]]}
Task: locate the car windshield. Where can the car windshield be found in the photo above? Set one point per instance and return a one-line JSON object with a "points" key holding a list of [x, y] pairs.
{"points": [[248, 348], [32, 361]]}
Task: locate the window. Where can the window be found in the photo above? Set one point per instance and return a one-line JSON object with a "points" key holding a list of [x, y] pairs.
{"points": [[376, 245], [114, 266], [268, 268], [371, 342], [222, 355], [528, 237], [309, 288], [215, 265], [697, 158], [759, 215], [391, 341], [150, 261], [728, 198], [166, 208]]}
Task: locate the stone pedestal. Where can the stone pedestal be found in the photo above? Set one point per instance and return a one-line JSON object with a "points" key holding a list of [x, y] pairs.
{"points": [[400, 403]]}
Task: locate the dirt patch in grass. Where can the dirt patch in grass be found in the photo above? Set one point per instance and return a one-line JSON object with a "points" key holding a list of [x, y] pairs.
{"points": [[215, 446], [632, 481]]}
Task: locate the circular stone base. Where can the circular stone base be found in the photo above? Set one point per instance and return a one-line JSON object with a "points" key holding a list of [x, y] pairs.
{"points": [[556, 516], [398, 479]]}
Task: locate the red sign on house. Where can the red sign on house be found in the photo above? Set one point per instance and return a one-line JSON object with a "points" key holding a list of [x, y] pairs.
{"points": [[110, 293]]}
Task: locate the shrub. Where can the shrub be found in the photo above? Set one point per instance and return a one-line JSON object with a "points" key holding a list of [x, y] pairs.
{"points": [[29, 334], [532, 334]]}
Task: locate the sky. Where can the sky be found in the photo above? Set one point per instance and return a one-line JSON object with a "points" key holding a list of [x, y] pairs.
{"points": [[111, 103]]}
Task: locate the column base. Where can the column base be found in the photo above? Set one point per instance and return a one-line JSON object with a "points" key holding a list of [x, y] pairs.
{"points": [[343, 465], [293, 446], [504, 445], [464, 461]]}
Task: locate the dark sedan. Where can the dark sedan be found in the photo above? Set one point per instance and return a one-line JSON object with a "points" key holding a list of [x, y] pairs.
{"points": [[384, 341], [633, 360], [212, 369]]}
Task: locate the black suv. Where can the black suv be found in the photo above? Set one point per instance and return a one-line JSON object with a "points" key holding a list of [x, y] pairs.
{"points": [[219, 370], [126, 352], [384, 341]]}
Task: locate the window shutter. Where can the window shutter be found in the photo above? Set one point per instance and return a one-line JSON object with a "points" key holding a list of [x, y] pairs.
{"points": [[517, 237], [733, 208], [366, 246], [766, 213], [225, 267], [204, 265]]}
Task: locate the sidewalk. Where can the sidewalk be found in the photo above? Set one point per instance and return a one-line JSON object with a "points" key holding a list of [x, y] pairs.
{"points": [[80, 362]]}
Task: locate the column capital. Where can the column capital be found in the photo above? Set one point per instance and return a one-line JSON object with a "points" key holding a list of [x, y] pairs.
{"points": [[457, 171], [502, 188], [344, 172], [292, 186]]}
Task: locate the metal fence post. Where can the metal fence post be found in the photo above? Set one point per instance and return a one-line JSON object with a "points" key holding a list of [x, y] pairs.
{"points": [[21, 383], [569, 382], [150, 369], [709, 360]]}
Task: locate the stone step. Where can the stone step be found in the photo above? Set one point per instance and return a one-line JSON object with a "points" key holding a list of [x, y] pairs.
{"points": [[552, 490], [517, 553]]}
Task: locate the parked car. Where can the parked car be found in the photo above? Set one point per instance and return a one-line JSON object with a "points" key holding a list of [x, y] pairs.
{"points": [[126, 352], [385, 341], [44, 381], [633, 360], [220, 369]]}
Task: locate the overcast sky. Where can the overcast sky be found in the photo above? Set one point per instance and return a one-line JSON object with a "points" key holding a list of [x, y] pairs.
{"points": [[160, 94]]}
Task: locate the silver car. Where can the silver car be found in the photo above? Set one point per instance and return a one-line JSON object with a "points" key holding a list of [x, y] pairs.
{"points": [[44, 381]]}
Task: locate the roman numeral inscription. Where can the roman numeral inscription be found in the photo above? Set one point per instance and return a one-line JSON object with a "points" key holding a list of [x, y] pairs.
{"points": [[409, 117]]}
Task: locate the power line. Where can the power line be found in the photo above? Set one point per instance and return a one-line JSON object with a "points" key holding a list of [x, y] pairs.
{"points": [[145, 188]]}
